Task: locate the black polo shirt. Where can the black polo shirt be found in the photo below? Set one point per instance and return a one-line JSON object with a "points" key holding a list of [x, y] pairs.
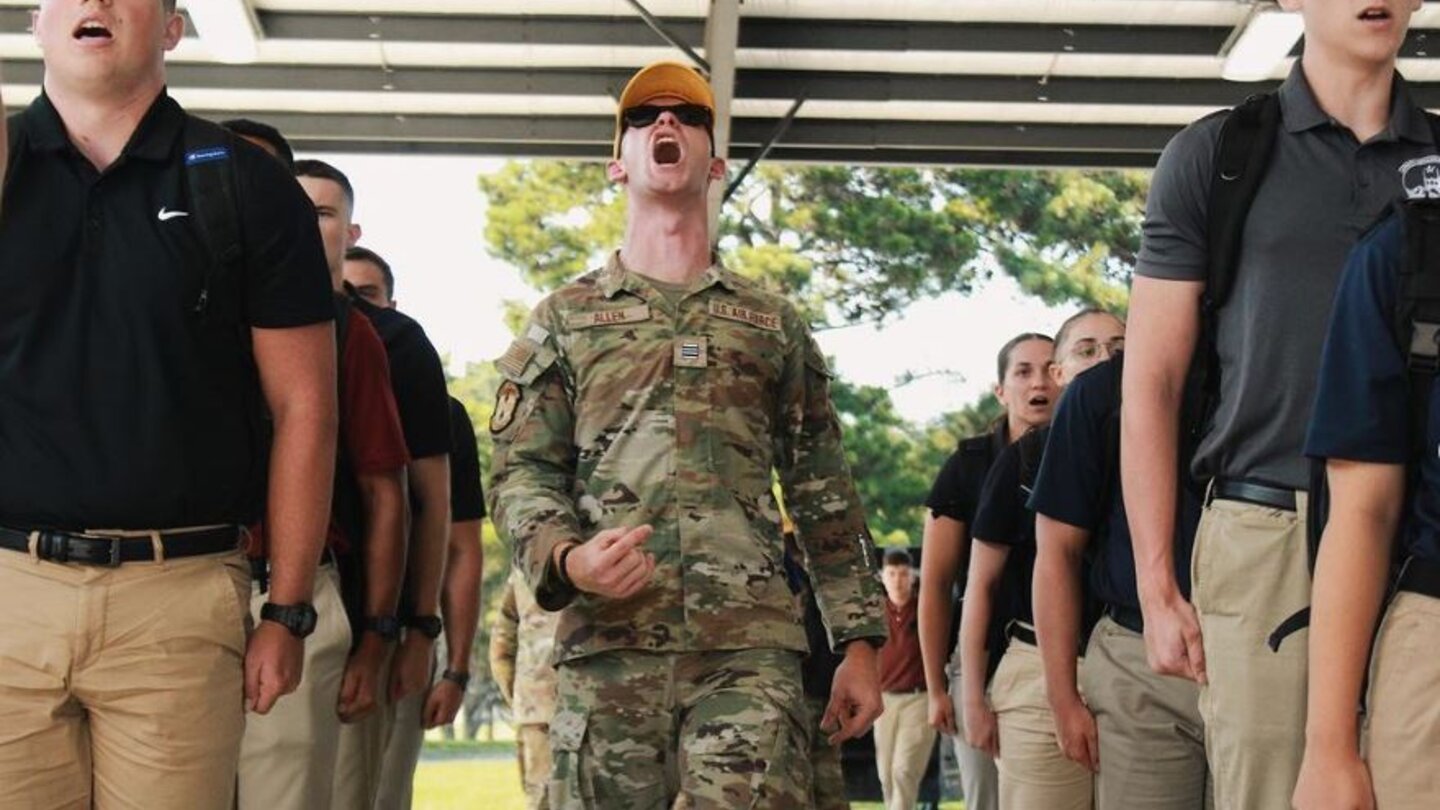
{"points": [[1071, 486], [467, 497], [1003, 519], [955, 494], [120, 407], [417, 377]]}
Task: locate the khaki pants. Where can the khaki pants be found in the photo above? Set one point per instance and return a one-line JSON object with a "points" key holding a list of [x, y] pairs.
{"points": [[979, 780], [1250, 572], [1034, 774], [693, 731], [402, 750], [287, 757], [532, 748], [1401, 735], [121, 688], [1152, 740], [361, 754], [903, 742]]}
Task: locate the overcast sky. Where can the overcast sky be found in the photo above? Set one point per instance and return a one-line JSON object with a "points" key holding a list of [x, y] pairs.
{"points": [[426, 216]]}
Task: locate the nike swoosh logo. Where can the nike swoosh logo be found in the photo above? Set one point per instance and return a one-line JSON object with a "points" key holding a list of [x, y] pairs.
{"points": [[166, 216]]}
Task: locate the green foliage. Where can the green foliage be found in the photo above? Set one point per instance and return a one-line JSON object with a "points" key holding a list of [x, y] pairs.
{"points": [[883, 450], [551, 218], [854, 244]]}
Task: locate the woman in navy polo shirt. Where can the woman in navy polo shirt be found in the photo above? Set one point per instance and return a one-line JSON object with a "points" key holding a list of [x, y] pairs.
{"points": [[1363, 428], [1140, 732], [1013, 721]]}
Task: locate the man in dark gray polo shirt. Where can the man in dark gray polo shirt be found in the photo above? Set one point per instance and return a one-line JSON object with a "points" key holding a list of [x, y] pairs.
{"points": [[1350, 140]]}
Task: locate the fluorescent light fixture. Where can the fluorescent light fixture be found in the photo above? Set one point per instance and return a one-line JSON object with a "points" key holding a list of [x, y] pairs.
{"points": [[227, 28], [1268, 38]]}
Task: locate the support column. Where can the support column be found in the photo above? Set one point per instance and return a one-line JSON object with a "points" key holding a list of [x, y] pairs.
{"points": [[722, 36]]}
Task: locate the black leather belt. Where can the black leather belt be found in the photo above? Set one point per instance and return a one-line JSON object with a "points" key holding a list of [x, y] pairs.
{"points": [[63, 547], [1127, 617], [1228, 489], [1420, 576], [1020, 632]]}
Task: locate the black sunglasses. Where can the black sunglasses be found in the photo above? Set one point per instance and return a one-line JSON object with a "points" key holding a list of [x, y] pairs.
{"points": [[691, 115]]}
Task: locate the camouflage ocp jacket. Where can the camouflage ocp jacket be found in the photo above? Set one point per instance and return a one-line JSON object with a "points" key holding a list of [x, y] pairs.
{"points": [[620, 408]]}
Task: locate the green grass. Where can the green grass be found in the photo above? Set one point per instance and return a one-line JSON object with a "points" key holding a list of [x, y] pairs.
{"points": [[492, 784]]}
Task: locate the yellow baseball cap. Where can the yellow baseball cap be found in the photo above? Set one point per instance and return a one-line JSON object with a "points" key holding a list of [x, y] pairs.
{"points": [[659, 79]]}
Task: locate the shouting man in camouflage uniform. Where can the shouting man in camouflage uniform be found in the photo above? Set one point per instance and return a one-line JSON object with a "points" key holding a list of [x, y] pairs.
{"points": [[640, 418]]}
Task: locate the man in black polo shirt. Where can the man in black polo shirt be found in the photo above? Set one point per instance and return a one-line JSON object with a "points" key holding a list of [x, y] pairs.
{"points": [[131, 409], [372, 280], [418, 380]]}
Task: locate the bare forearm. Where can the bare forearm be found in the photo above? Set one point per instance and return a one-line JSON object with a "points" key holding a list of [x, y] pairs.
{"points": [[1348, 591], [1149, 442], [302, 467], [429, 532], [937, 583], [460, 598], [1057, 604], [974, 658], [384, 498]]}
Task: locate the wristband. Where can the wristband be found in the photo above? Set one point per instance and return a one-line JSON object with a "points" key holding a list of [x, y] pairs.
{"points": [[460, 679], [560, 565]]}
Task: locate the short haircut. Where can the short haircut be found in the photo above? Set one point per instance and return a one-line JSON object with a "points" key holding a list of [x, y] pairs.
{"points": [[363, 254], [246, 128], [169, 6], [1003, 359], [1065, 328], [324, 171], [898, 556]]}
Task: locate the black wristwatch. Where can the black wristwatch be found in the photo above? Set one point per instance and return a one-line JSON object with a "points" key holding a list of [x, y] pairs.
{"points": [[428, 626], [386, 627], [460, 679], [298, 619]]}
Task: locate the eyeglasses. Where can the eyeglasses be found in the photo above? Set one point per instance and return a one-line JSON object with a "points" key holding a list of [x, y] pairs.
{"points": [[1091, 349], [691, 115]]}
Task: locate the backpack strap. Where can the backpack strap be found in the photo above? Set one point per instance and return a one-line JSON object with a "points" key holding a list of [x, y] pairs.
{"points": [[1242, 155], [211, 182]]}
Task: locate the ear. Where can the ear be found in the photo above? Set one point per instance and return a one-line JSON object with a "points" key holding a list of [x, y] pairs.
{"points": [[615, 170], [999, 392], [717, 168], [352, 237], [1056, 374], [174, 30]]}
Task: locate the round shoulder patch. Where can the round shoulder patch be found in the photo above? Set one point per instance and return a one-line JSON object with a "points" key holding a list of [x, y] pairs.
{"points": [[507, 402]]}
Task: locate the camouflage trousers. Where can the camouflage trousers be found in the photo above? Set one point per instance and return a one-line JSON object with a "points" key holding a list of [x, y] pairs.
{"points": [[694, 731], [829, 778]]}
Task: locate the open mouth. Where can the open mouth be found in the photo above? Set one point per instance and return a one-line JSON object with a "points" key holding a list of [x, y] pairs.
{"points": [[1375, 14], [666, 150], [1039, 402], [92, 29]]}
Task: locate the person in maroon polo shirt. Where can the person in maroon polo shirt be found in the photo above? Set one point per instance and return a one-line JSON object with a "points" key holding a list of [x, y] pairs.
{"points": [[903, 740]]}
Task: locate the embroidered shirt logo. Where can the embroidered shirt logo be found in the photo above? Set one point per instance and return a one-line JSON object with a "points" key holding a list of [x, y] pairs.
{"points": [[166, 215], [1421, 178]]}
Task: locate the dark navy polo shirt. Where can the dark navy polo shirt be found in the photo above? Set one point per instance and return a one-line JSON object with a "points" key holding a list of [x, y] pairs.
{"points": [[1071, 485], [1362, 404], [121, 407], [1003, 519]]}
